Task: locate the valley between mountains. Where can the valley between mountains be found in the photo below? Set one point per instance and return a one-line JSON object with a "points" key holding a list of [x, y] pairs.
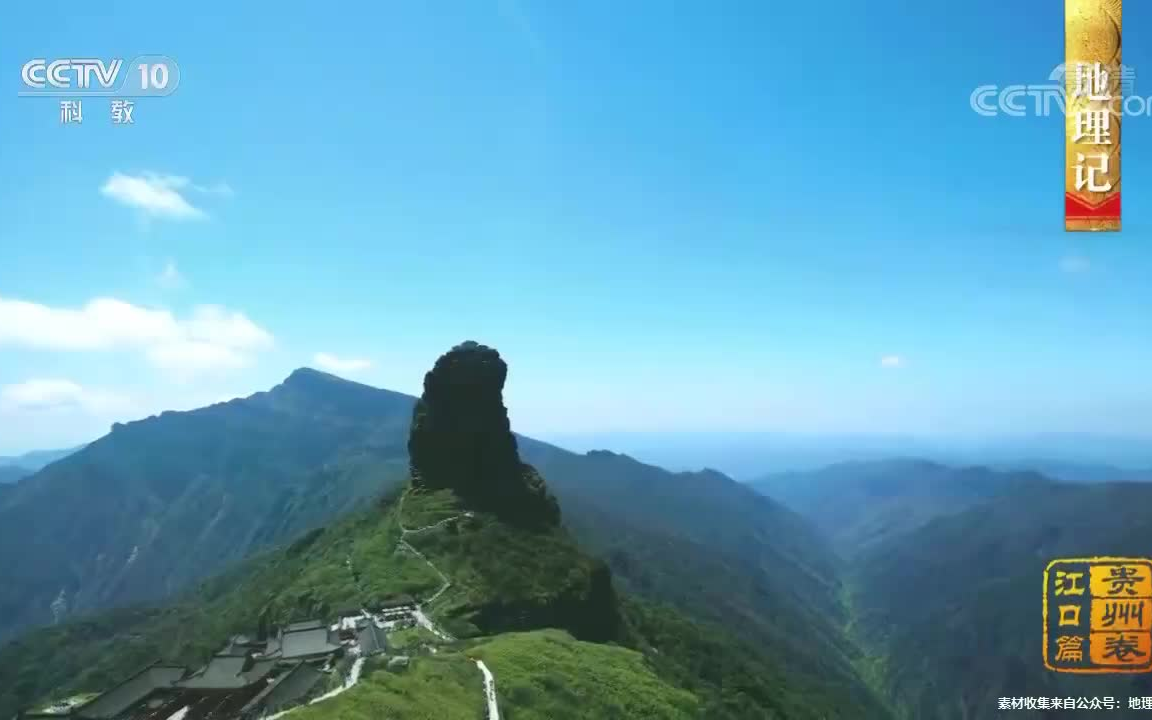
{"points": [[545, 583]]}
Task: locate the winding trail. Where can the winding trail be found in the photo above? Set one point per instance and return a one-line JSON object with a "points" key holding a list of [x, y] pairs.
{"points": [[421, 617], [489, 691], [353, 678], [424, 620]]}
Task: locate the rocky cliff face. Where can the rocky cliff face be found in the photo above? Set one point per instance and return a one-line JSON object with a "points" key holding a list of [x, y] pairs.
{"points": [[461, 439]]}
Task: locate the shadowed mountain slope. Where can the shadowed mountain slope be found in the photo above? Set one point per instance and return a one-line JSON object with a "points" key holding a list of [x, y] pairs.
{"points": [[954, 606], [494, 558], [857, 505], [160, 503]]}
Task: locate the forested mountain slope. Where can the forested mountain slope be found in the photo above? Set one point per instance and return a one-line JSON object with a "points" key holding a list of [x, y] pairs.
{"points": [[955, 606], [497, 536], [184, 495], [859, 504], [162, 502]]}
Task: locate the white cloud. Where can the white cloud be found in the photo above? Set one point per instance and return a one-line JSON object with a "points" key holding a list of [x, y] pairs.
{"points": [[102, 324], [1075, 264], [219, 325], [332, 363], [892, 361], [212, 337], [170, 278], [155, 195], [53, 394]]}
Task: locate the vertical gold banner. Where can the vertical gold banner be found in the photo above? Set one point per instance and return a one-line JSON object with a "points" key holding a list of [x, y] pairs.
{"points": [[1094, 107]]}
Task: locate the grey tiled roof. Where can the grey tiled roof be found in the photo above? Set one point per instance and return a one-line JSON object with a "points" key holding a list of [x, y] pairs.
{"points": [[228, 672], [260, 669], [372, 640], [286, 689], [304, 643], [118, 699]]}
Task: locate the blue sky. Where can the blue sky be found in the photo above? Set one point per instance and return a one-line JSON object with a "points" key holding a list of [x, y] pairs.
{"points": [[720, 217]]}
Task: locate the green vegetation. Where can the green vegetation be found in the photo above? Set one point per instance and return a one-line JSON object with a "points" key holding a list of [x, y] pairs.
{"points": [[423, 508], [543, 675], [742, 600], [509, 578], [721, 604], [159, 504], [954, 607], [944, 591], [308, 579], [859, 505], [434, 687], [736, 680], [548, 675], [764, 584], [334, 679], [504, 578], [358, 560], [407, 640]]}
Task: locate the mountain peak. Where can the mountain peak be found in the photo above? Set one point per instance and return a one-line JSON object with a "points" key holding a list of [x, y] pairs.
{"points": [[307, 392], [317, 383], [307, 376], [461, 439]]}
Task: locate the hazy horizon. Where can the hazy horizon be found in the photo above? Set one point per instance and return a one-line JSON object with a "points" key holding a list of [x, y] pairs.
{"points": [[748, 453]]}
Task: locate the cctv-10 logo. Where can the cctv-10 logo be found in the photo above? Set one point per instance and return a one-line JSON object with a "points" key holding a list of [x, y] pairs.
{"points": [[147, 75]]}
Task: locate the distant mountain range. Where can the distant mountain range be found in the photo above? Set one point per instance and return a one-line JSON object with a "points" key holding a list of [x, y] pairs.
{"points": [[944, 573], [750, 455], [1080, 472], [12, 473], [19, 466], [37, 459], [160, 503], [874, 589], [954, 605], [497, 574], [860, 504], [147, 512]]}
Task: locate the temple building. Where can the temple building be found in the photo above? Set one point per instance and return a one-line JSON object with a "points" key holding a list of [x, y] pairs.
{"points": [[248, 679]]}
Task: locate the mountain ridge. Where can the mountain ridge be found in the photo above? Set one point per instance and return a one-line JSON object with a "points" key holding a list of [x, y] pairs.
{"points": [[242, 477], [348, 457], [859, 504], [482, 571], [974, 619], [945, 574], [160, 502]]}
